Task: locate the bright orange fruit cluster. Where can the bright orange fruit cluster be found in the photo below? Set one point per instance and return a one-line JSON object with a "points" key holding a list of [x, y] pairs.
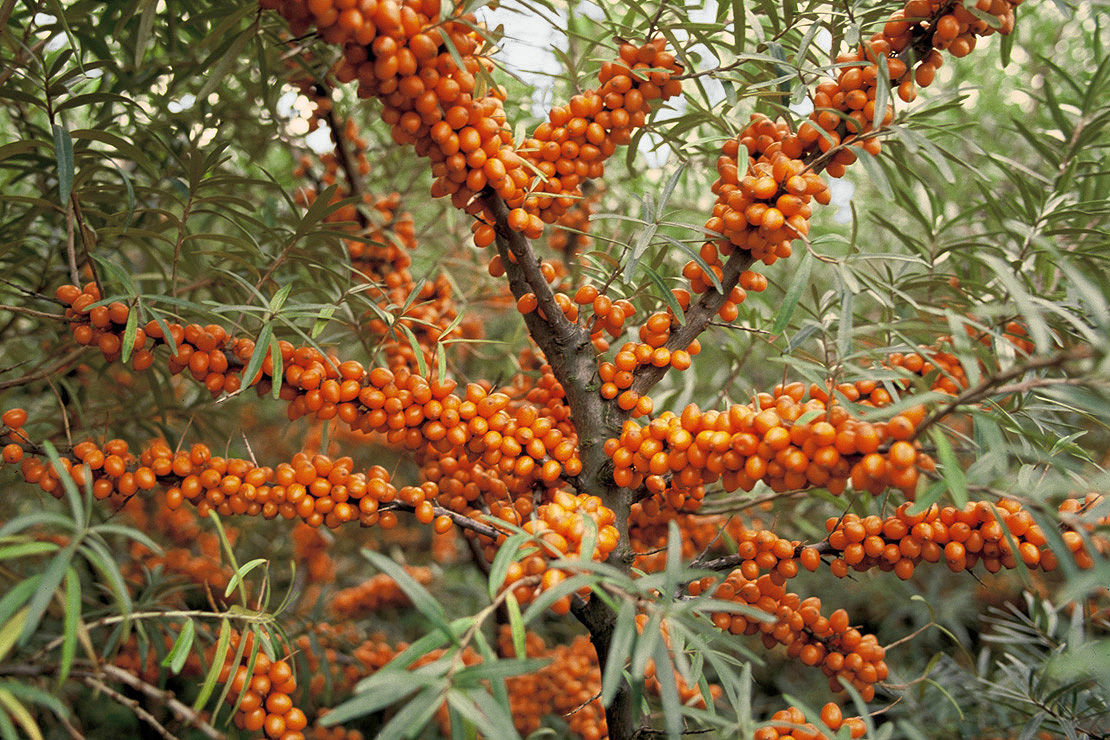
{"points": [[560, 531], [781, 439], [407, 55], [411, 411], [830, 643], [995, 535], [796, 727], [264, 692]]}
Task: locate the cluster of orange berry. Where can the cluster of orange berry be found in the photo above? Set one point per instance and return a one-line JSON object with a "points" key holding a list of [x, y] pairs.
{"points": [[567, 686], [263, 691], [207, 352], [411, 411], [796, 727], [407, 55], [950, 27], [763, 209], [831, 643], [336, 732], [12, 430], [560, 531], [323, 648], [609, 316], [618, 376], [997, 535], [377, 592], [109, 470], [319, 490], [573, 144], [846, 109], [766, 207], [780, 439], [528, 302]]}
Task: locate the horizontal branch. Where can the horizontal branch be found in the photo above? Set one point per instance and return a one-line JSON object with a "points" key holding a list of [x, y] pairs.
{"points": [[995, 383]]}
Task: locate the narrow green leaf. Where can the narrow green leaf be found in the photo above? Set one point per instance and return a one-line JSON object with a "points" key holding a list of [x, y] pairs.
{"points": [[241, 573], [146, 24], [63, 152], [668, 191], [279, 298], [27, 549], [10, 631], [17, 147], [668, 692], [509, 552], [129, 332], [410, 721], [70, 618], [278, 365], [952, 472], [51, 580], [798, 283], [876, 173], [516, 625], [223, 640], [258, 356], [218, 73], [620, 649], [20, 714], [665, 293], [182, 647], [322, 320], [424, 602], [73, 496]]}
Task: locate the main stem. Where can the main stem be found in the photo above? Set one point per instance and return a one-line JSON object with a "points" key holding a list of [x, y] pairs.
{"points": [[573, 359]]}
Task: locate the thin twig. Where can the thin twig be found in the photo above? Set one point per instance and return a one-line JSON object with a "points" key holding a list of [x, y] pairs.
{"points": [[130, 703], [993, 384], [43, 373]]}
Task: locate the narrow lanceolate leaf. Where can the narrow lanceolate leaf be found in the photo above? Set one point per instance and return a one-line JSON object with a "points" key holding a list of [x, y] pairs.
{"points": [[258, 356], [799, 282], [414, 716], [63, 152], [668, 191], [875, 172], [424, 602], [10, 631], [952, 473], [182, 647], [129, 333], [222, 642], [507, 553], [516, 625], [278, 366], [620, 649], [668, 692], [70, 623], [19, 713], [241, 573], [51, 580]]}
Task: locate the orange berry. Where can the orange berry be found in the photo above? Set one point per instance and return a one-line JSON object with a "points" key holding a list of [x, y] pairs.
{"points": [[14, 418]]}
